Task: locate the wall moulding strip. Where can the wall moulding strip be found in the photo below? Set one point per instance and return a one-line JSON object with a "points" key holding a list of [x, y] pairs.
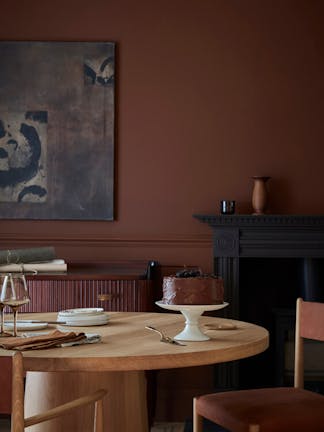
{"points": [[161, 242]]}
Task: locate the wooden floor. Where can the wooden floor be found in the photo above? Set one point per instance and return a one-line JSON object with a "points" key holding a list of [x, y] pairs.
{"points": [[158, 427], [168, 427], [4, 425]]}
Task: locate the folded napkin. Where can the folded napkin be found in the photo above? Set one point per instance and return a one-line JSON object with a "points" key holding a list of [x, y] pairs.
{"points": [[48, 340], [89, 339]]}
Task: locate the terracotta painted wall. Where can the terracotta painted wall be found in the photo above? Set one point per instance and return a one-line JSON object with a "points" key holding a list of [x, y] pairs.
{"points": [[209, 93]]}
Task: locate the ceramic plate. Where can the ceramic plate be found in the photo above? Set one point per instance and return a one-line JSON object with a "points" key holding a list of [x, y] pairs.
{"points": [[191, 307], [85, 323], [221, 326], [26, 326], [84, 318], [81, 311]]}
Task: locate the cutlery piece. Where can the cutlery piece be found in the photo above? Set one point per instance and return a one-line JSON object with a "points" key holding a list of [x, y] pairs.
{"points": [[164, 338]]}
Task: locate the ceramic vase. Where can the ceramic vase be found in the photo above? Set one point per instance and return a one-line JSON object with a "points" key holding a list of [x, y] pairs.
{"points": [[259, 194]]}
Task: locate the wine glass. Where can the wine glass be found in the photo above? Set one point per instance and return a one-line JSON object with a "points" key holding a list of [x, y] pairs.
{"points": [[2, 332], [2, 314], [14, 293]]}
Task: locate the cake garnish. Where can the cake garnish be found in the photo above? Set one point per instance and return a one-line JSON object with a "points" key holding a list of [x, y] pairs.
{"points": [[194, 272], [187, 273]]}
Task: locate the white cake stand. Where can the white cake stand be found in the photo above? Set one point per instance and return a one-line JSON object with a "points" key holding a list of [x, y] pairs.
{"points": [[191, 332]]}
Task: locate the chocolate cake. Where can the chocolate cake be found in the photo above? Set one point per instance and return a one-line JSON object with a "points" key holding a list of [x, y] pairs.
{"points": [[192, 288]]}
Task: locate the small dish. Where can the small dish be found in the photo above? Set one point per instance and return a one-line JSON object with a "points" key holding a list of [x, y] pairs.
{"points": [[221, 326], [84, 321], [84, 324], [26, 326], [83, 317], [81, 311]]}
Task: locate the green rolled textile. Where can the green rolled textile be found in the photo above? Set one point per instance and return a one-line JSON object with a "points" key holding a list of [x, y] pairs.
{"points": [[17, 256]]}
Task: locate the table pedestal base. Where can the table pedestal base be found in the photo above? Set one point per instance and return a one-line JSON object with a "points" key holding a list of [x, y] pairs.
{"points": [[124, 406]]}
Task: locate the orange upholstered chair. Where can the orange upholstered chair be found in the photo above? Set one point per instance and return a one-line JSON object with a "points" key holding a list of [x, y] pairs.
{"points": [[289, 409]]}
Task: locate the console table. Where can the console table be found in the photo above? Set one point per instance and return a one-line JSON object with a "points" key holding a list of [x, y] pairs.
{"points": [[116, 286]]}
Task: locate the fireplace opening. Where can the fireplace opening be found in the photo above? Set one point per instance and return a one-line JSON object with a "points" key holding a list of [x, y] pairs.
{"points": [[285, 354], [314, 364], [269, 288]]}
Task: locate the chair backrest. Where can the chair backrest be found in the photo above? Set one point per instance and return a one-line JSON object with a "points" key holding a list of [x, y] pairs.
{"points": [[19, 422], [309, 325]]}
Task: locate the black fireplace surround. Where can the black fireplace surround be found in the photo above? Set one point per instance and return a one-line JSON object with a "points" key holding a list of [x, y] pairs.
{"points": [[266, 261]]}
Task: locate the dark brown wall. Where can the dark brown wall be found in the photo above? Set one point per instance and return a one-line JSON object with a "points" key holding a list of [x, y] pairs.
{"points": [[209, 93]]}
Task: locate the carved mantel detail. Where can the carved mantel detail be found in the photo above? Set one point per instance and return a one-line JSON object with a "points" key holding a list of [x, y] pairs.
{"points": [[266, 235]]}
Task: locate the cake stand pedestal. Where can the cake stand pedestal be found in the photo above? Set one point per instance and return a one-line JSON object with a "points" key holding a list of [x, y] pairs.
{"points": [[191, 332]]}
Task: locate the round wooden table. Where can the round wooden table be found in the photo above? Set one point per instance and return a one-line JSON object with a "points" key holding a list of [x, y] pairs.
{"points": [[119, 361]]}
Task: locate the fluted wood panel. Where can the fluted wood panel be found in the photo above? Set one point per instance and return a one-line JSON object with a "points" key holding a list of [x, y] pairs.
{"points": [[54, 295]]}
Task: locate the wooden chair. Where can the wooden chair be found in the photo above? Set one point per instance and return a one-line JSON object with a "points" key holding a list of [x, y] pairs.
{"points": [[272, 409], [19, 423]]}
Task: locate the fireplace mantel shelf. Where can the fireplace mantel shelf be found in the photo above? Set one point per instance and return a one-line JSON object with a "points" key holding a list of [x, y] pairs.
{"points": [[262, 220], [266, 235]]}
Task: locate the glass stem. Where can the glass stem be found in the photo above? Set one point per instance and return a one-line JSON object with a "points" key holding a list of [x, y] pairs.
{"points": [[15, 310], [2, 319]]}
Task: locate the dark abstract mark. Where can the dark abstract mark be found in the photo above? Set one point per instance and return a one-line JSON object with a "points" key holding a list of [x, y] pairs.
{"points": [[34, 190], [2, 129], [90, 73], [39, 116], [16, 175], [105, 75]]}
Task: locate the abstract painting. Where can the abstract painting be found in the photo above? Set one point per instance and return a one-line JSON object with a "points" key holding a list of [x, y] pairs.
{"points": [[57, 130]]}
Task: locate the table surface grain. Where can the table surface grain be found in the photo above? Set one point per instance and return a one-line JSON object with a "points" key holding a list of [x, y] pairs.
{"points": [[127, 346]]}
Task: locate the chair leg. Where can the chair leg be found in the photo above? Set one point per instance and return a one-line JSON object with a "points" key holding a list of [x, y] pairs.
{"points": [[98, 417], [17, 416], [197, 419]]}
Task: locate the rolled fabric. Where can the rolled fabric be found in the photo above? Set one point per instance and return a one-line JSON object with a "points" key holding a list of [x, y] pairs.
{"points": [[48, 266], [16, 256]]}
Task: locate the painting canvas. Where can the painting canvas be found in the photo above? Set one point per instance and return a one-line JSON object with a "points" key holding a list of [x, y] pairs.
{"points": [[57, 130]]}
